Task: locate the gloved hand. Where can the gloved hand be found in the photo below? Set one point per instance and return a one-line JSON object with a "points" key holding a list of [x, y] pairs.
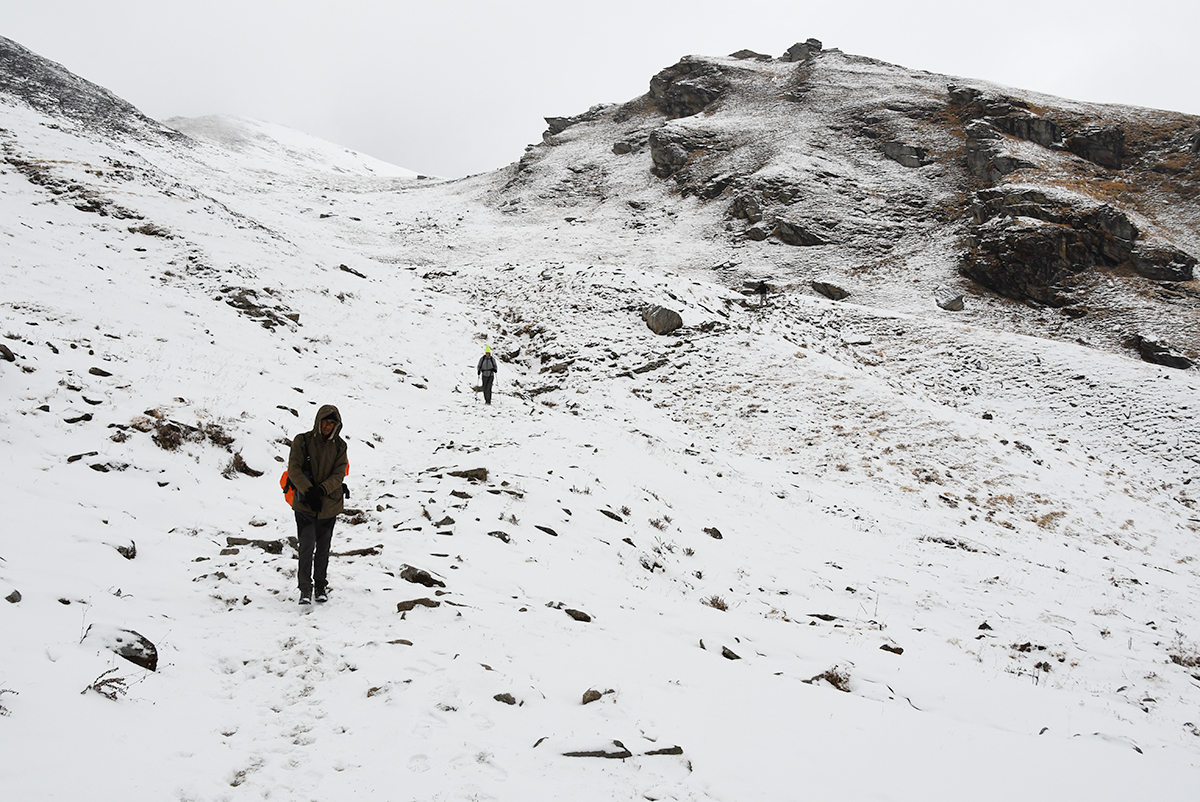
{"points": [[312, 499]]}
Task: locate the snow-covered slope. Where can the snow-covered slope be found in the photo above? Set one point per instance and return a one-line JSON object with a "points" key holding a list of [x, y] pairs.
{"points": [[749, 511]]}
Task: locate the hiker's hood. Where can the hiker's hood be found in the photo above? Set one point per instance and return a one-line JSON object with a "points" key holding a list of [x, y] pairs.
{"points": [[328, 411]]}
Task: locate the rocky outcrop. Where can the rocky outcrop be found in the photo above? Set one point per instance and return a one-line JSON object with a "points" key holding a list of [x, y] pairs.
{"points": [[803, 51], [1104, 145], [1031, 128], [1159, 353], [688, 87], [831, 291], [750, 54], [661, 320], [746, 207], [1163, 263], [559, 124], [670, 149], [984, 158]]}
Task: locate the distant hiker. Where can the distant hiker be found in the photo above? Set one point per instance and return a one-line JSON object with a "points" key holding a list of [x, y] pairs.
{"points": [[316, 468], [487, 370], [761, 289]]}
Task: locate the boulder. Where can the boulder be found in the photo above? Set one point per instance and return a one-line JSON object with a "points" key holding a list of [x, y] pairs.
{"points": [[6, 354], [670, 149], [1102, 144], [661, 320], [688, 87], [830, 291], [125, 643], [1159, 353], [621, 148], [948, 300], [746, 206], [1162, 263], [791, 232], [803, 51], [907, 155], [757, 232]]}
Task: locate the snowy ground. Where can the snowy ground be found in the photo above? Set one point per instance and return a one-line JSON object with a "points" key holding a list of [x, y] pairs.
{"points": [[1015, 515]]}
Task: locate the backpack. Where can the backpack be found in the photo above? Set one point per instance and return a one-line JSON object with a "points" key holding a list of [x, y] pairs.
{"points": [[289, 489]]}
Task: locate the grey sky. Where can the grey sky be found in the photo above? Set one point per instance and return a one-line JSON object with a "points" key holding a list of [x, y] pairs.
{"points": [[460, 86]]}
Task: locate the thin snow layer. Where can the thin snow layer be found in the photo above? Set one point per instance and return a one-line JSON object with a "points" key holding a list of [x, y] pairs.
{"points": [[1013, 518]]}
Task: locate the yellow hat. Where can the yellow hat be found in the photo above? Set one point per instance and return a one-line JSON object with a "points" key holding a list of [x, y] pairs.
{"points": [[487, 349]]}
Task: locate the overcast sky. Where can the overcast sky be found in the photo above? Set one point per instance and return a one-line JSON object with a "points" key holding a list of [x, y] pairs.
{"points": [[451, 87]]}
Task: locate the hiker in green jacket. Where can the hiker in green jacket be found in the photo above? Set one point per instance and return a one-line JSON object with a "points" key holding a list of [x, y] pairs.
{"points": [[316, 468]]}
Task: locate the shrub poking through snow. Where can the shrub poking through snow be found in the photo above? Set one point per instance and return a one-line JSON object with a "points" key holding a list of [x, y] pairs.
{"points": [[715, 602], [837, 676], [108, 687], [4, 711]]}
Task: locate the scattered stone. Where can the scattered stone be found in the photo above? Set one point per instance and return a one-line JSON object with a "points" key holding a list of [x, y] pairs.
{"points": [[790, 232], [893, 649], [578, 615], [269, 546], [125, 643], [229, 552], [713, 532], [803, 51], [99, 372], [670, 750], [1159, 353], [128, 552], [985, 625], [746, 206], [405, 606], [13, 597], [457, 494], [502, 536], [420, 577], [620, 754], [474, 474], [369, 551], [591, 695], [612, 515], [831, 291], [84, 418], [447, 521], [948, 300], [757, 232], [546, 529], [506, 698], [351, 270], [77, 457], [729, 654], [6, 354], [621, 148], [400, 642]]}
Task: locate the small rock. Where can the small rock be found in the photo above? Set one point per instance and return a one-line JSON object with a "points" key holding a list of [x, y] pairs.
{"points": [[893, 649], [405, 606], [591, 695], [985, 625], [713, 532], [670, 750], [578, 615], [621, 148], [948, 300], [6, 354], [612, 515], [502, 536], [546, 529], [128, 552], [729, 654], [620, 754], [447, 521], [474, 474], [126, 643], [507, 698], [756, 233], [99, 372], [420, 577], [269, 546], [13, 597]]}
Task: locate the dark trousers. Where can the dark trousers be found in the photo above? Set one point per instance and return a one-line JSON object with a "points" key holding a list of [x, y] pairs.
{"points": [[487, 387], [315, 535]]}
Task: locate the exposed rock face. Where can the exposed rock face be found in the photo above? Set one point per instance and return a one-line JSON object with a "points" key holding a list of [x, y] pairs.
{"points": [[750, 54], [1104, 145], [803, 51], [984, 159], [907, 155], [791, 232], [559, 124], [52, 89], [688, 87], [661, 320], [1196, 142], [746, 207], [1031, 128], [1159, 353]]}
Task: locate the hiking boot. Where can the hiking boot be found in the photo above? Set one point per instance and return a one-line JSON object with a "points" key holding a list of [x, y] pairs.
{"points": [[306, 597], [322, 597]]}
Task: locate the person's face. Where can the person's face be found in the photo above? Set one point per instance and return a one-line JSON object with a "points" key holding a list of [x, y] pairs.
{"points": [[327, 427]]}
